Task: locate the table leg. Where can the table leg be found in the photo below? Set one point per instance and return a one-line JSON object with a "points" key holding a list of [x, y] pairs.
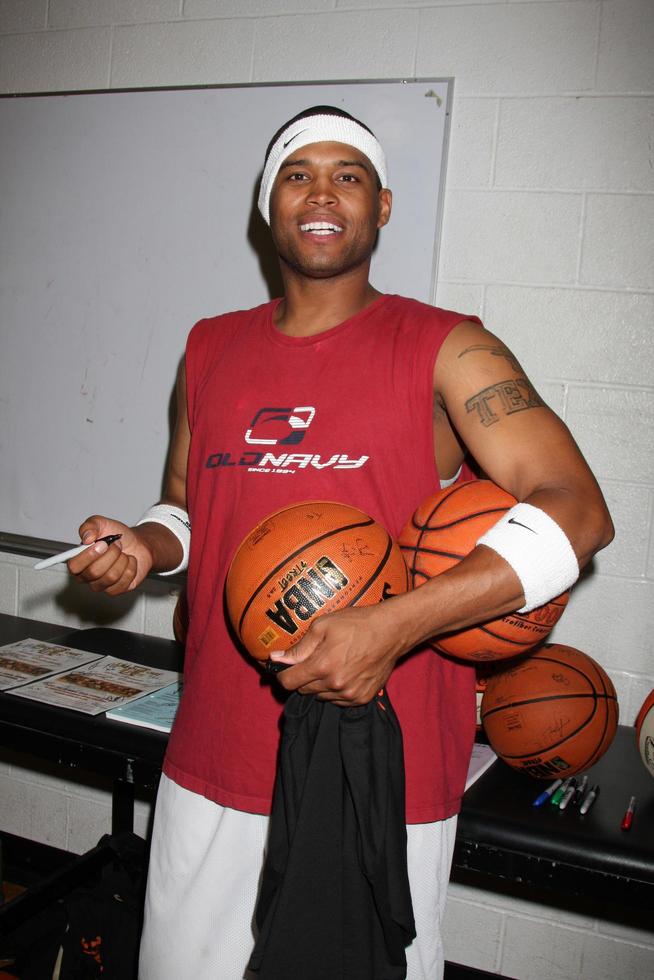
{"points": [[122, 804]]}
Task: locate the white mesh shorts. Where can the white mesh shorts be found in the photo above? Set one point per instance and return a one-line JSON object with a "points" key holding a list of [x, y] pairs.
{"points": [[205, 865], [430, 847]]}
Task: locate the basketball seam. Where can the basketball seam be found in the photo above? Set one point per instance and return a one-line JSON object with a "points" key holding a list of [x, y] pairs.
{"points": [[496, 636], [544, 659], [375, 574], [421, 530], [556, 745], [483, 628], [546, 697], [294, 554], [459, 520], [608, 697], [442, 499], [505, 639], [596, 696], [432, 551]]}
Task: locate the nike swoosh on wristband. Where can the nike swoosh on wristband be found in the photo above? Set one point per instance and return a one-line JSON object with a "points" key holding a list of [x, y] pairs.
{"points": [[293, 138], [512, 520]]}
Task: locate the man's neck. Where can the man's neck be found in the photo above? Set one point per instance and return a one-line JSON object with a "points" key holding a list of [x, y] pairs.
{"points": [[312, 306]]}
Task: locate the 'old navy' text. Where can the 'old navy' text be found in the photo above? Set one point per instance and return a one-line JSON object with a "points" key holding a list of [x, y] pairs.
{"points": [[262, 462]]}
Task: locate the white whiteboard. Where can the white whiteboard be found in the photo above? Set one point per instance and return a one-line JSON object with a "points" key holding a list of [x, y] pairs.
{"points": [[124, 218]]}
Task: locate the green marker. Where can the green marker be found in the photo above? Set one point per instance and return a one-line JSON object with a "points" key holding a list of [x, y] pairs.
{"points": [[560, 793]]}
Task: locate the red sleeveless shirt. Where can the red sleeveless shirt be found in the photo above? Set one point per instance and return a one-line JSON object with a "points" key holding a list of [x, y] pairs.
{"points": [[341, 415]]}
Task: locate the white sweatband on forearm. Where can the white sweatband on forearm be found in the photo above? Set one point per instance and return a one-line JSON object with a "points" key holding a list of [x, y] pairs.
{"points": [[176, 520], [537, 550]]}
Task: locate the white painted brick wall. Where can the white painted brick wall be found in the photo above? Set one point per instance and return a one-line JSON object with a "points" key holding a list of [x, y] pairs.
{"points": [[70, 813], [576, 334], [602, 141], [511, 236], [8, 588], [547, 235], [617, 246], [605, 959], [189, 53], [52, 596], [327, 46], [472, 140], [613, 620], [534, 949], [55, 60], [480, 947], [624, 59], [630, 508], [92, 13], [521, 48], [254, 8], [613, 426], [17, 15]]}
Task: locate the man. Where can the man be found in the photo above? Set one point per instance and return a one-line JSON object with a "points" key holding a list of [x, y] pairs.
{"points": [[379, 395]]}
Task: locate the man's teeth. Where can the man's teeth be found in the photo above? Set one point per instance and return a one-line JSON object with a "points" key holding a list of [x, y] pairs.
{"points": [[321, 228]]}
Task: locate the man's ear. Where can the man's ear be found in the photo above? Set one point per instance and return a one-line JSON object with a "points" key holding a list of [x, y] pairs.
{"points": [[385, 206]]}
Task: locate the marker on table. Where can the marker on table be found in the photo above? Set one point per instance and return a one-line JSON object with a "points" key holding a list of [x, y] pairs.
{"points": [[545, 795], [67, 555], [628, 818], [580, 792], [558, 796], [589, 800], [569, 793]]}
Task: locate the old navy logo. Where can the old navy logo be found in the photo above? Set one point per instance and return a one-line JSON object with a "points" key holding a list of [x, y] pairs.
{"points": [[512, 520], [285, 462], [294, 137], [299, 420], [272, 426]]}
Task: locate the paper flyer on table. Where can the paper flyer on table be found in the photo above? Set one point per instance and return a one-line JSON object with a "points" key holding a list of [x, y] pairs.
{"points": [[32, 660], [99, 686], [481, 759], [156, 710]]}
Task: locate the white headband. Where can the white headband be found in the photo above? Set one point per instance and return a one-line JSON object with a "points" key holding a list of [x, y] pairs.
{"points": [[318, 129]]}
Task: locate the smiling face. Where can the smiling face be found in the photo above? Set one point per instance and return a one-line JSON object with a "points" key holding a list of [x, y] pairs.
{"points": [[326, 209]]}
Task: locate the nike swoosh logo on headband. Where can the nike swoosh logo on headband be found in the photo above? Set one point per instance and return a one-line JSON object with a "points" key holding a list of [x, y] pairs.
{"points": [[512, 520], [293, 138]]}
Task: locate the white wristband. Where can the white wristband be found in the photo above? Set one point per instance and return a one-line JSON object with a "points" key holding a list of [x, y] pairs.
{"points": [[537, 550], [176, 520]]}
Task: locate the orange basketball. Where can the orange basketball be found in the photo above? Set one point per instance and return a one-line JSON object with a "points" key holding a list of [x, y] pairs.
{"points": [[303, 561], [443, 530], [553, 714]]}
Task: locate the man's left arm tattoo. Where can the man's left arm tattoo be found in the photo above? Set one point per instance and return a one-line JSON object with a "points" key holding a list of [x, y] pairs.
{"points": [[496, 350], [504, 398]]}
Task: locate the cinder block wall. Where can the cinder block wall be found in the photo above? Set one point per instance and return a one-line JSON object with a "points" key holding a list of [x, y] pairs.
{"points": [[547, 235]]}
